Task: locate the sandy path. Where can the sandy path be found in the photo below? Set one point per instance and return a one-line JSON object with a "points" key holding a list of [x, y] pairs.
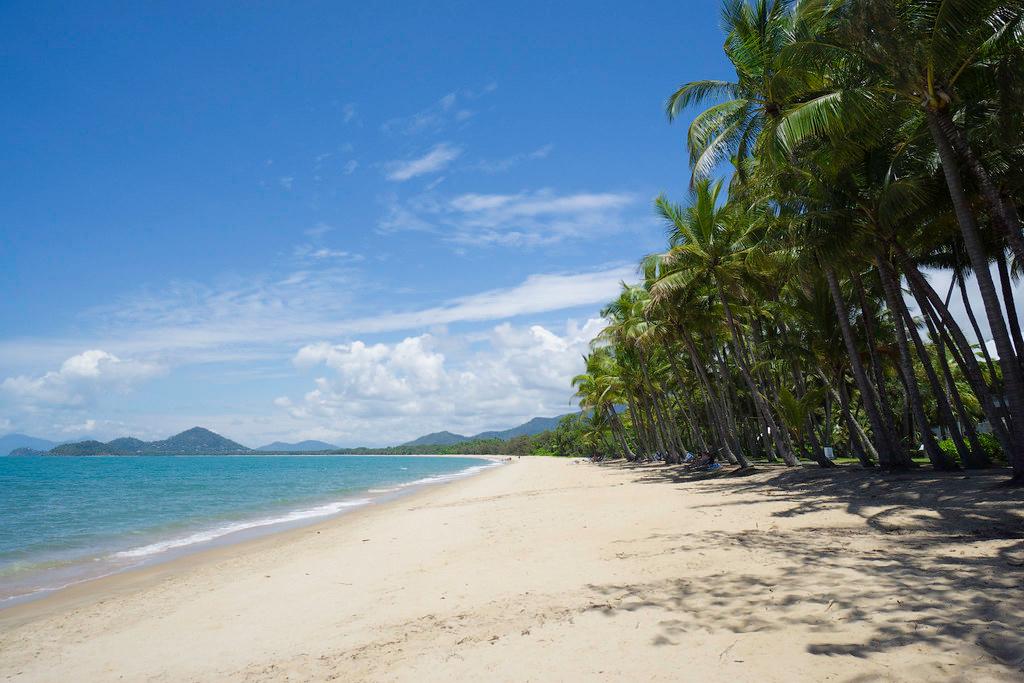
{"points": [[546, 570]]}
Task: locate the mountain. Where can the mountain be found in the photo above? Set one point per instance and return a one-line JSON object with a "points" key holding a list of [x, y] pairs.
{"points": [[12, 442], [198, 441], [438, 439], [531, 428], [127, 445], [90, 447], [195, 441], [300, 447]]}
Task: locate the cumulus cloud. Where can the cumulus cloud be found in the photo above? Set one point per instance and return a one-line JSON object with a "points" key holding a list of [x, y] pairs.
{"points": [[387, 393], [256, 318], [79, 378], [433, 161]]}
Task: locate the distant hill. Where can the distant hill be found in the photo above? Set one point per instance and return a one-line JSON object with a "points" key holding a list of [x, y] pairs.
{"points": [[13, 442], [531, 428], [438, 439], [535, 426], [195, 441], [300, 447], [198, 441]]}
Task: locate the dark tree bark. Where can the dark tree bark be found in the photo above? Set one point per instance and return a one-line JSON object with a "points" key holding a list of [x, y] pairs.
{"points": [[891, 289], [741, 362], [887, 454], [1013, 378]]}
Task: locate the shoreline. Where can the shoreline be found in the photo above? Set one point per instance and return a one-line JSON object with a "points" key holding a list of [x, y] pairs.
{"points": [[198, 540], [552, 569]]}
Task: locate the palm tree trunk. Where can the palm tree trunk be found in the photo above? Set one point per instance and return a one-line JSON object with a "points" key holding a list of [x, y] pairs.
{"points": [[968, 362], [715, 403], [1013, 379], [643, 445], [982, 343], [1003, 215], [762, 405], [1011, 306], [619, 432], [945, 412], [977, 457], [888, 456], [877, 369], [856, 431], [893, 295]]}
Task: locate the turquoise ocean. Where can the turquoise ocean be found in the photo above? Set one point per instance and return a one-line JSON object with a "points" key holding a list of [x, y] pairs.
{"points": [[64, 519]]}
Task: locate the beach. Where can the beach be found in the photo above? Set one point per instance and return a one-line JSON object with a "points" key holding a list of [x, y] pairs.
{"points": [[552, 569]]}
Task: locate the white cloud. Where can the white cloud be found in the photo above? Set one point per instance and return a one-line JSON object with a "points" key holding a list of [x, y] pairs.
{"points": [[350, 167], [348, 113], [79, 379], [525, 219], [501, 165], [88, 426], [319, 230], [319, 253], [444, 112], [286, 182], [388, 393], [251, 317], [433, 161]]}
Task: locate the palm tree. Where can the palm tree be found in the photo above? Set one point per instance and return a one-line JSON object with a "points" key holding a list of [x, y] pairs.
{"points": [[716, 244]]}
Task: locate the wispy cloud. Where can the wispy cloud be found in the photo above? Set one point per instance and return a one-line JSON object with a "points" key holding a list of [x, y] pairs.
{"points": [[433, 161], [320, 253], [348, 113], [502, 165], [452, 108], [524, 219], [319, 230], [253, 318]]}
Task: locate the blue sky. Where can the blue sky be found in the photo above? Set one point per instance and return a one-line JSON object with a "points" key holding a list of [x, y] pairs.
{"points": [[345, 221]]}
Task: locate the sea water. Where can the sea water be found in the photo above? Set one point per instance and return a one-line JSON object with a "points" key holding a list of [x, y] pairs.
{"points": [[67, 519]]}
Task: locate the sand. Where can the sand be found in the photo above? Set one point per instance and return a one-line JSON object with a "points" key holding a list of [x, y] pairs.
{"points": [[549, 570]]}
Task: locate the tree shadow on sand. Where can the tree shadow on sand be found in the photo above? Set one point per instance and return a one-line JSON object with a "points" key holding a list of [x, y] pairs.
{"points": [[939, 561]]}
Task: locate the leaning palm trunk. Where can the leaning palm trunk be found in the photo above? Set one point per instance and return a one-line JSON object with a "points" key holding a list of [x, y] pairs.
{"points": [[1003, 215], [890, 287], [877, 368], [758, 398], [1011, 306], [618, 431], [1013, 380], [982, 342], [888, 456], [643, 446], [977, 457], [716, 404], [944, 410], [687, 413], [923, 291], [857, 432]]}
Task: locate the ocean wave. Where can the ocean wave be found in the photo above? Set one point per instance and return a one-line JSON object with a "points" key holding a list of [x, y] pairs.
{"points": [[217, 532]]}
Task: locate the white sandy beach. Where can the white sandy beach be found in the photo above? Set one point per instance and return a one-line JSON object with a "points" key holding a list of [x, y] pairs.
{"points": [[548, 570]]}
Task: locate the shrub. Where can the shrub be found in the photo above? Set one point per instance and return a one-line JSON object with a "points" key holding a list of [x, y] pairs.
{"points": [[989, 444]]}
